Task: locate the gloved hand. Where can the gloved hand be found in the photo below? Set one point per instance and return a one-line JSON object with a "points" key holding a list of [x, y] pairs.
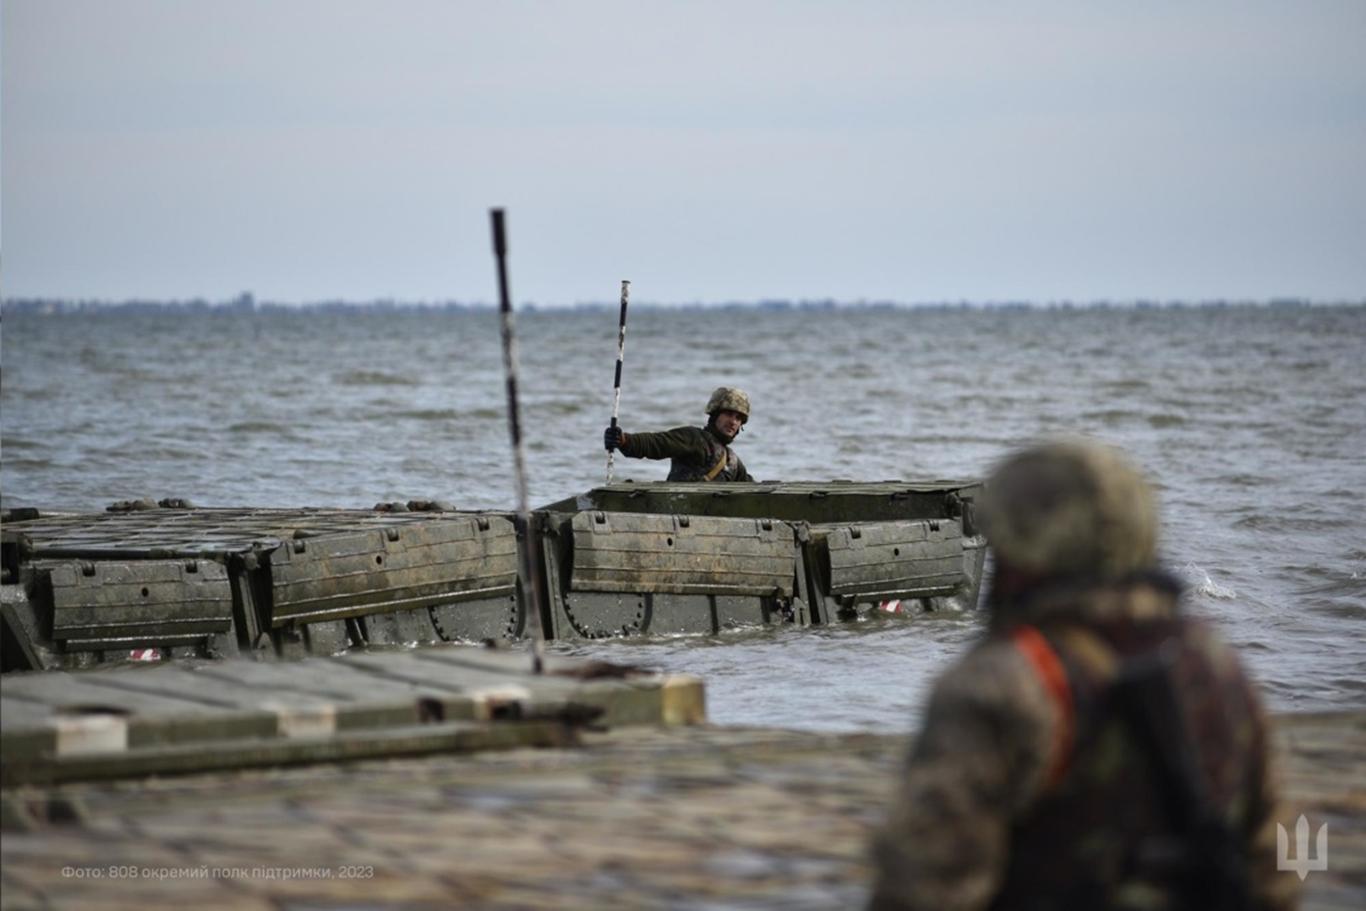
{"points": [[612, 438]]}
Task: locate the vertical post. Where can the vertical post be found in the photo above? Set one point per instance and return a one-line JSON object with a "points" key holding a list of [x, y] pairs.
{"points": [[621, 357], [531, 551]]}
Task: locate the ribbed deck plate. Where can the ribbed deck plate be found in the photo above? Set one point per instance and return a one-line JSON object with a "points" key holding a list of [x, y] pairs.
{"points": [[148, 601], [635, 552], [895, 559], [398, 567]]}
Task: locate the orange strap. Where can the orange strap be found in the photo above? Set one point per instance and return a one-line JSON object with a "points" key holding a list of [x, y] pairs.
{"points": [[1053, 676]]}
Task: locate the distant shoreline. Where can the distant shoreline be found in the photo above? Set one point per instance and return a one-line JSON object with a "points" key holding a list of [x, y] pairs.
{"points": [[247, 304]]}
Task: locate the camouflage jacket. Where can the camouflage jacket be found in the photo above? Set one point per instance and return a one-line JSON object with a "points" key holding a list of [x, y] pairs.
{"points": [[695, 452], [1015, 797]]}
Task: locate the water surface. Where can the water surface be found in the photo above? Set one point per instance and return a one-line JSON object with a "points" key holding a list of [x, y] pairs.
{"points": [[1251, 421]]}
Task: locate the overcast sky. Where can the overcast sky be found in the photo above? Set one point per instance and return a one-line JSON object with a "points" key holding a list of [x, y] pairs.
{"points": [[314, 149]]}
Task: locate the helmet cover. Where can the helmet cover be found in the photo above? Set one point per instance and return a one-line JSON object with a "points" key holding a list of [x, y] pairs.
{"points": [[1070, 508]]}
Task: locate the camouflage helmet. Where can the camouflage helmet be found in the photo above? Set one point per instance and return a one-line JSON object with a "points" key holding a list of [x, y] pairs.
{"points": [[1070, 508], [728, 398]]}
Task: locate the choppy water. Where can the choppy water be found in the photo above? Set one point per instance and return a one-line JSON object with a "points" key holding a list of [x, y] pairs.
{"points": [[1251, 421]]}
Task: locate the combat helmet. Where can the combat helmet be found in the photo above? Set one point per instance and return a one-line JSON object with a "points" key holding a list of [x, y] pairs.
{"points": [[1070, 508], [728, 398]]}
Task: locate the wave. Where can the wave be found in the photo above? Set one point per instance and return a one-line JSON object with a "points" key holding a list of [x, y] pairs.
{"points": [[373, 378], [1281, 522], [428, 414], [1112, 417], [262, 427], [1338, 591], [1201, 583], [1239, 480], [1126, 386], [570, 407], [483, 414], [17, 393], [13, 464]]}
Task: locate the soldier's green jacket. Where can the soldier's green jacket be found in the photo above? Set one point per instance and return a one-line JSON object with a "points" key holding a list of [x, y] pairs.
{"points": [[695, 452], [997, 809]]}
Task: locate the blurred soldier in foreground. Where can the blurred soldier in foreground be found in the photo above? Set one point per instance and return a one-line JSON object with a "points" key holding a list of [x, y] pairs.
{"points": [[698, 453], [1097, 749]]}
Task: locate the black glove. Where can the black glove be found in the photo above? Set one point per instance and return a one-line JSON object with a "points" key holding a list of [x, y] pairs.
{"points": [[612, 438]]}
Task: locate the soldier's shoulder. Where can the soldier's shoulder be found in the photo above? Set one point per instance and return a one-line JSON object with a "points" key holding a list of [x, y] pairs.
{"points": [[992, 706], [992, 672], [683, 430], [1203, 638]]}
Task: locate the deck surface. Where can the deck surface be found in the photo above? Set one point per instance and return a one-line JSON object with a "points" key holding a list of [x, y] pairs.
{"points": [[183, 717], [686, 818]]}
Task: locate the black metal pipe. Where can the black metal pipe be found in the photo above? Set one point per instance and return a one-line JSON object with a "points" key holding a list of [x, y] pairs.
{"points": [[530, 561]]}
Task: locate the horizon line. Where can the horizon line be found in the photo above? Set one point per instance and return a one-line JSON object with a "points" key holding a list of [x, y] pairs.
{"points": [[247, 303]]}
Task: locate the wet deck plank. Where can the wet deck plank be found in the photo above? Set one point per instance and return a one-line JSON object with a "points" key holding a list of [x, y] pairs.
{"points": [[231, 714]]}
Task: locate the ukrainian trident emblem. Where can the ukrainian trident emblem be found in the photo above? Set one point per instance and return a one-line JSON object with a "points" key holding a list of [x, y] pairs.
{"points": [[1302, 863]]}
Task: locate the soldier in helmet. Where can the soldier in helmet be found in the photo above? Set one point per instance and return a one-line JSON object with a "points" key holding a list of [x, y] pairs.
{"points": [[1097, 749], [698, 453]]}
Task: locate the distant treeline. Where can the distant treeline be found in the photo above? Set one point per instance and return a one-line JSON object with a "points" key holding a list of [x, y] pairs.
{"points": [[247, 303]]}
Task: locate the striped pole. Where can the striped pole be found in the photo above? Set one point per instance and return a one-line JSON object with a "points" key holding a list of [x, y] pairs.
{"points": [[621, 357], [531, 552]]}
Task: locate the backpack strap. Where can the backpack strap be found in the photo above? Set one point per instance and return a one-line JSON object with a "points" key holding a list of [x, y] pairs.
{"points": [[718, 467], [1031, 643]]}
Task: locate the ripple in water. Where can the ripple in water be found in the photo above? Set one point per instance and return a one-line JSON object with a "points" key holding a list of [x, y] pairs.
{"points": [[372, 378], [428, 414], [264, 428]]}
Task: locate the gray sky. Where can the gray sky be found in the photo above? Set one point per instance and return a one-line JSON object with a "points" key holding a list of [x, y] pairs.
{"points": [[311, 149]]}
